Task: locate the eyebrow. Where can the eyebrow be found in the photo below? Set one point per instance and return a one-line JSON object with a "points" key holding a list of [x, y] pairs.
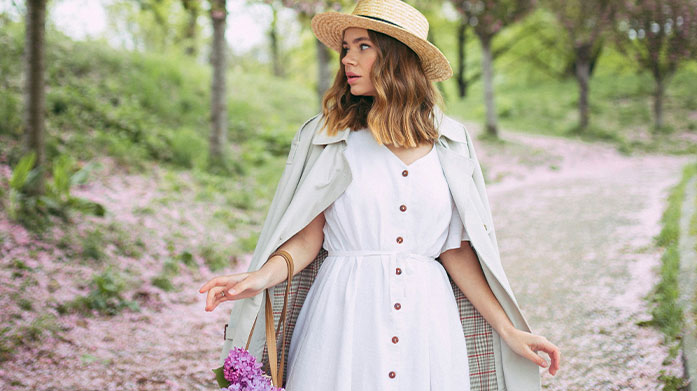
{"points": [[358, 40]]}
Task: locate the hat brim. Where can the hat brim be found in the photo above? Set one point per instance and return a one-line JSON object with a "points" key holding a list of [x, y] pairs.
{"points": [[329, 28]]}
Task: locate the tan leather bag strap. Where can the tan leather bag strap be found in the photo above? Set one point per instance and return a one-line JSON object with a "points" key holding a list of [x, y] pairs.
{"points": [[276, 373]]}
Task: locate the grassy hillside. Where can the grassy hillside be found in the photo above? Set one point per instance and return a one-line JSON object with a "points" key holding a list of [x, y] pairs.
{"points": [[146, 107]]}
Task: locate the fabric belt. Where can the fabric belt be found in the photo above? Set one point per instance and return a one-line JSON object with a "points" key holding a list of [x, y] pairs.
{"points": [[392, 254]]}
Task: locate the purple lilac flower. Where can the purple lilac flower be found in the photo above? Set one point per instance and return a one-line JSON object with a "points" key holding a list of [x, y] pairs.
{"points": [[241, 366], [244, 373]]}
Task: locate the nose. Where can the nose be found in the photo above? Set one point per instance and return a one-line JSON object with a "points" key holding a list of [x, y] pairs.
{"points": [[348, 59]]}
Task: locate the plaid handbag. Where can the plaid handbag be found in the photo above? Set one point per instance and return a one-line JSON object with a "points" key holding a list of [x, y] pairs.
{"points": [[478, 333]]}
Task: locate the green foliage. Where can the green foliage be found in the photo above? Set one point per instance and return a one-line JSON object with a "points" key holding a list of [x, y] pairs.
{"points": [[92, 245], [188, 149], [163, 282], [171, 268], [249, 243], [106, 295], [214, 256], [671, 382], [187, 259], [33, 210], [667, 314], [220, 377], [26, 335], [24, 207]]}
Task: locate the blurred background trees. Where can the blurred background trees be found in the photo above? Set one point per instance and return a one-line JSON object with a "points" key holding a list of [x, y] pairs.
{"points": [[585, 24], [164, 81], [487, 19], [661, 35]]}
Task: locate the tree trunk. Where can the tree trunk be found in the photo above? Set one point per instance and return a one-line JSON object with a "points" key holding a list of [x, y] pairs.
{"points": [[34, 100], [461, 58], [658, 94], [218, 101], [323, 57], [487, 68], [275, 50], [582, 77]]}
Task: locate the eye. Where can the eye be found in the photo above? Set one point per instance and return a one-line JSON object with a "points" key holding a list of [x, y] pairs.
{"points": [[361, 45]]}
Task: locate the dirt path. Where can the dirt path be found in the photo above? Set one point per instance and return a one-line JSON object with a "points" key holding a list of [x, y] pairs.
{"points": [[576, 242], [574, 228]]}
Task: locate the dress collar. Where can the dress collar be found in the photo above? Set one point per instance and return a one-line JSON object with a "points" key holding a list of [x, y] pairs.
{"points": [[448, 128]]}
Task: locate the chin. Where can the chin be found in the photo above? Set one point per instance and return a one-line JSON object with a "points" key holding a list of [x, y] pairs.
{"points": [[359, 92]]}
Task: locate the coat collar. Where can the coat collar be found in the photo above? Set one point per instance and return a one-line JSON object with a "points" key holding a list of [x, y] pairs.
{"points": [[446, 129]]}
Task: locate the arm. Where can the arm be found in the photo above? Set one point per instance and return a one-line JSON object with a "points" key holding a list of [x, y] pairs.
{"points": [[303, 247], [464, 268]]}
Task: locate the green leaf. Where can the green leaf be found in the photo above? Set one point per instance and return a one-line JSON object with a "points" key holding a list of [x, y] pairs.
{"points": [[62, 167], [87, 206], [81, 176], [21, 171], [220, 377]]}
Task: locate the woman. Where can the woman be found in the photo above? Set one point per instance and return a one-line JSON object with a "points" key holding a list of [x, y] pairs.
{"points": [[387, 207]]}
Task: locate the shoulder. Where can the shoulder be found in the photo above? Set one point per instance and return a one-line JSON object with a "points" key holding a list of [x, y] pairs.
{"points": [[309, 127], [455, 136], [453, 129]]}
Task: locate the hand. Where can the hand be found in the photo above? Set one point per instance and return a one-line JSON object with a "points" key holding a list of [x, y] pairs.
{"points": [[236, 286], [527, 345]]}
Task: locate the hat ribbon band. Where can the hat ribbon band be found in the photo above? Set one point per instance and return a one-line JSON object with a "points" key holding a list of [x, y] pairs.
{"points": [[381, 19]]}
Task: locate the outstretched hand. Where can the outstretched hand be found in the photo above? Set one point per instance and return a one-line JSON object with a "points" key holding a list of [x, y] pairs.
{"points": [[527, 345], [235, 286]]}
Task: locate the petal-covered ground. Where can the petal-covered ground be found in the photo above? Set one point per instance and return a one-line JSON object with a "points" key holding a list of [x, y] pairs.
{"points": [[574, 222]]}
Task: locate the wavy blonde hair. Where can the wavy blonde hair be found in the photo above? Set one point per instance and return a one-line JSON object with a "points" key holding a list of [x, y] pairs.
{"points": [[401, 112]]}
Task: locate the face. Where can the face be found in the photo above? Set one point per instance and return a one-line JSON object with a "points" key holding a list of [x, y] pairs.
{"points": [[361, 53]]}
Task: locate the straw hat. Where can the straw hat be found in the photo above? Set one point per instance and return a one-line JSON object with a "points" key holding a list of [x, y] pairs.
{"points": [[392, 17]]}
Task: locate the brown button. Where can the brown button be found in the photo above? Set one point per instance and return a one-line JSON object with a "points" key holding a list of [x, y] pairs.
{"points": [[397, 306], [405, 173], [403, 208], [395, 339], [392, 374], [399, 239], [398, 271]]}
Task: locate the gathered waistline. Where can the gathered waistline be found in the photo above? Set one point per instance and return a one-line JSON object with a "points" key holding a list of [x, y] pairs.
{"points": [[392, 254]]}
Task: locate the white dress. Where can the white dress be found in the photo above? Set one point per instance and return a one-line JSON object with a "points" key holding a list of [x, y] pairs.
{"points": [[381, 313]]}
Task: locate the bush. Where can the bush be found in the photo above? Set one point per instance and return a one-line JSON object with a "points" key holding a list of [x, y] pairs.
{"points": [[106, 295], [33, 210]]}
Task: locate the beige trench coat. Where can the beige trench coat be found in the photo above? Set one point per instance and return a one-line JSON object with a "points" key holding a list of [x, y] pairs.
{"points": [[316, 174]]}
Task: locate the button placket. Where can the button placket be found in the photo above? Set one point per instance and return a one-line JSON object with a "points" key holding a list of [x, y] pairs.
{"points": [[398, 288], [402, 198], [397, 295]]}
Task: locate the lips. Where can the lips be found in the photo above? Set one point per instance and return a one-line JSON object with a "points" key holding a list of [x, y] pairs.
{"points": [[351, 77]]}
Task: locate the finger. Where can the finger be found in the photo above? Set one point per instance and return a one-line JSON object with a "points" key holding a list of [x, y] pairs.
{"points": [[536, 358], [213, 295], [555, 356], [553, 352], [208, 285], [218, 298]]}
